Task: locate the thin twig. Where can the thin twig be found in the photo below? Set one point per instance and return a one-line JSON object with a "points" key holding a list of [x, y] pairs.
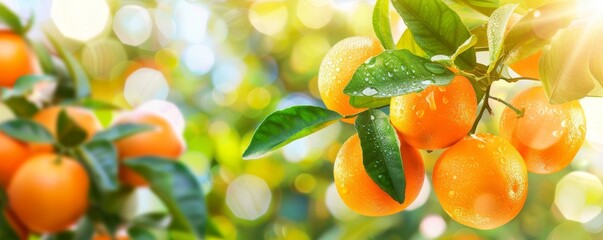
{"points": [[516, 110], [485, 106]]}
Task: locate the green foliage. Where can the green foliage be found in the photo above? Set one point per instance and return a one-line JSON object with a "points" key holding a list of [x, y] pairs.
{"points": [[121, 131], [11, 19], [381, 24], [6, 231], [26, 130], [381, 152], [179, 190], [79, 77], [496, 32], [436, 28], [69, 133], [284, 126], [396, 72], [100, 159]]}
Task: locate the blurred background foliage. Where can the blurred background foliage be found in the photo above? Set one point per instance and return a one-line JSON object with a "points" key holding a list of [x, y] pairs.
{"points": [[227, 64]]}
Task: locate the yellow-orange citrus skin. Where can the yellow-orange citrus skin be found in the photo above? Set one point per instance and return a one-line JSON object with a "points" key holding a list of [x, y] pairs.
{"points": [[16, 59], [49, 193], [528, 67], [547, 136], [361, 193], [13, 154], [337, 69], [161, 141], [481, 181], [436, 117]]}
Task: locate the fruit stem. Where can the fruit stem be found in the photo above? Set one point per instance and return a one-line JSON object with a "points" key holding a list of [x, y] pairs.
{"points": [[512, 80], [482, 49], [485, 106], [516, 110]]}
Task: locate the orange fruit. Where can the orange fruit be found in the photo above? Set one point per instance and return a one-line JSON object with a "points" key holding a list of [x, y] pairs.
{"points": [[16, 224], [49, 193], [528, 67], [361, 193], [107, 237], [48, 118], [161, 141], [547, 136], [16, 59], [436, 117], [481, 181], [337, 69], [14, 153]]}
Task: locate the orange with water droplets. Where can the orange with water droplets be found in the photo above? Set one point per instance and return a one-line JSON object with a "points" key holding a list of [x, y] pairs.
{"points": [[358, 190], [337, 69], [481, 181], [436, 117], [547, 136]]}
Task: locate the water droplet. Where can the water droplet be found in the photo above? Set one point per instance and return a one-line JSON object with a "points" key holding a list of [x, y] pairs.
{"points": [[390, 74], [557, 111], [481, 145], [380, 176], [557, 133], [372, 117], [414, 107], [564, 123], [502, 149], [442, 88], [370, 62], [541, 111], [427, 82], [420, 113], [403, 68], [434, 68], [445, 100], [369, 91], [431, 101], [451, 193], [454, 177]]}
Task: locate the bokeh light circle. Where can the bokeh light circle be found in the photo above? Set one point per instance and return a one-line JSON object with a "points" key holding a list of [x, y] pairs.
{"points": [[132, 25], [100, 57], [422, 197], [248, 197], [198, 58], [167, 110], [578, 196], [80, 20], [432, 226], [145, 84], [268, 16], [336, 206]]}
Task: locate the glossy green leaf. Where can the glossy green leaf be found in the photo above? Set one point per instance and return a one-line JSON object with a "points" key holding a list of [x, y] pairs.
{"points": [[381, 152], [100, 159], [78, 75], [26, 130], [381, 24], [407, 41], [69, 133], [43, 57], [536, 28], [368, 102], [497, 26], [11, 19], [21, 107], [396, 72], [152, 220], [470, 17], [121, 131], [436, 28], [484, 3], [448, 60], [178, 189], [97, 104], [564, 65], [481, 33], [85, 229], [139, 233], [25, 84], [213, 230], [284, 126]]}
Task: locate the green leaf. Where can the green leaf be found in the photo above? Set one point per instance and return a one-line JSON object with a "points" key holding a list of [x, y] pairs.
{"points": [[100, 159], [407, 41], [177, 188], [213, 230], [381, 152], [497, 26], [21, 107], [85, 229], [139, 233], [448, 60], [536, 28], [43, 57], [436, 28], [564, 65], [26, 130], [368, 102], [284, 126], [121, 131], [69, 133], [396, 72], [25, 84], [11, 19], [381, 24], [152, 220], [6, 231], [470, 17], [97, 104], [484, 3], [78, 75], [61, 236]]}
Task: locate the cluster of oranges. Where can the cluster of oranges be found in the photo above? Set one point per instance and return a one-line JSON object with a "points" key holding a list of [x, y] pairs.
{"points": [[481, 180], [48, 190]]}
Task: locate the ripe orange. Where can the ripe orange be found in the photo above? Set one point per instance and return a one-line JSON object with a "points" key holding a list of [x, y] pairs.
{"points": [[361, 193], [14, 153], [547, 136], [481, 181], [15, 224], [337, 69], [49, 193], [436, 117], [162, 141], [528, 67], [16, 59], [107, 237], [48, 118]]}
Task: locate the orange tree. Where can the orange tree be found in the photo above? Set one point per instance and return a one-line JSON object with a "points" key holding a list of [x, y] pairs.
{"points": [[429, 91], [61, 170]]}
